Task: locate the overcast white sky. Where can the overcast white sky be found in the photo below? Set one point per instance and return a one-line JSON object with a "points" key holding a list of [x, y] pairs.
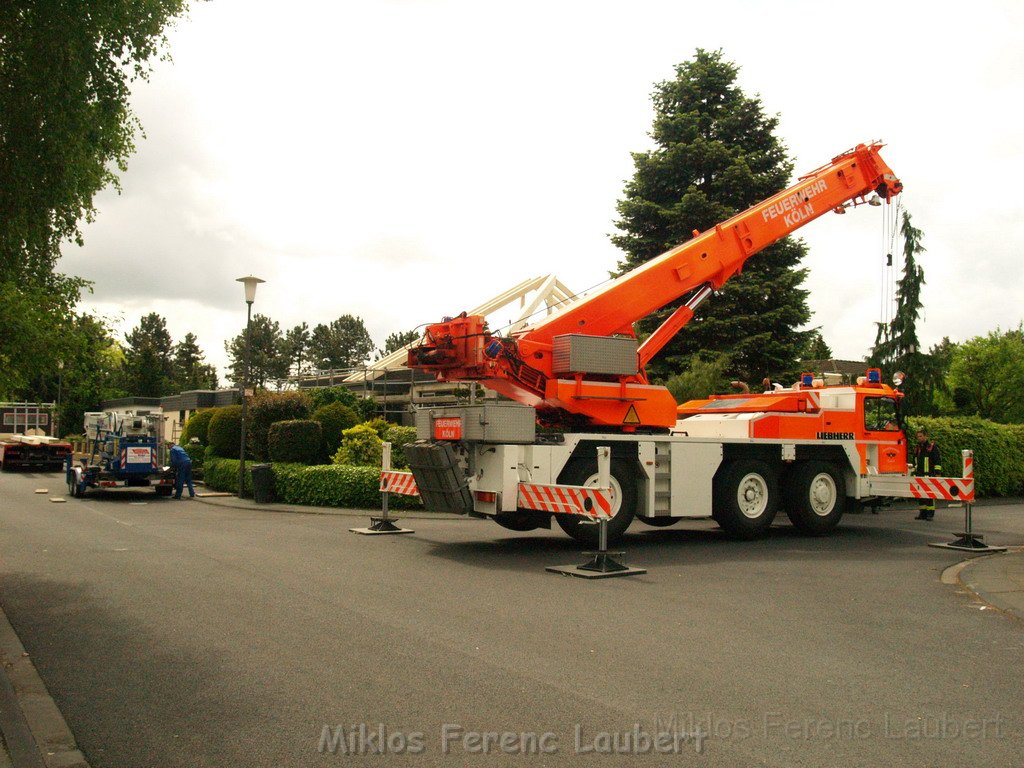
{"points": [[405, 159]]}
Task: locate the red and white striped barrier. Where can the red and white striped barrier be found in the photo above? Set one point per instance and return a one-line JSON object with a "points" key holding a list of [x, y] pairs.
{"points": [[947, 488], [595, 503], [392, 481]]}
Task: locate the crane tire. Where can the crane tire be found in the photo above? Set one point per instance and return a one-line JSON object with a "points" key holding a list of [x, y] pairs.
{"points": [[745, 498], [583, 471], [815, 497]]}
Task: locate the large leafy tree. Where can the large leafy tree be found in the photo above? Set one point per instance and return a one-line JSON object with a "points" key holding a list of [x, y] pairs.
{"points": [[268, 353], [149, 362], [90, 371], [986, 376], [66, 125], [66, 129], [716, 154], [343, 343], [191, 371]]}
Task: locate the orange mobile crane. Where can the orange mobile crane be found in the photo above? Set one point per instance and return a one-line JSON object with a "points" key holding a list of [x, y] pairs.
{"points": [[580, 372]]}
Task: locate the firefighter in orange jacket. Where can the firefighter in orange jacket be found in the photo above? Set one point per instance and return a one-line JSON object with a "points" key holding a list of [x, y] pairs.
{"points": [[926, 464]]}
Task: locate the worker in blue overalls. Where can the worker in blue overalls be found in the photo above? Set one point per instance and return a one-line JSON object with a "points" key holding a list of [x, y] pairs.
{"points": [[182, 466]]}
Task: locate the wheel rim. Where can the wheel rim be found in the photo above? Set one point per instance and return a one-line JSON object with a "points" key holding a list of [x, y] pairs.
{"points": [[752, 495], [822, 494], [616, 491]]}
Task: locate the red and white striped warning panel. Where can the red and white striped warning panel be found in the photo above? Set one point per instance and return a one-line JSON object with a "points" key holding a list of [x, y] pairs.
{"points": [[948, 488], [566, 499], [398, 482]]}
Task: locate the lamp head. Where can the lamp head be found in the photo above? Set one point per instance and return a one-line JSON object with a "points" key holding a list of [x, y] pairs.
{"points": [[250, 283]]}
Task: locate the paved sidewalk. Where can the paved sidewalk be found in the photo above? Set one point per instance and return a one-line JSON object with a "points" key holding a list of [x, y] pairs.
{"points": [[999, 580]]}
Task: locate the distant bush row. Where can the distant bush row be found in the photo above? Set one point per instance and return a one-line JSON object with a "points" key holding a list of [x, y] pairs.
{"points": [[334, 409], [327, 486], [998, 469]]}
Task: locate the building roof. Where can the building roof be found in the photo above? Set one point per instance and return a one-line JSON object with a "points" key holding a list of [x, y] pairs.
{"points": [[849, 368]]}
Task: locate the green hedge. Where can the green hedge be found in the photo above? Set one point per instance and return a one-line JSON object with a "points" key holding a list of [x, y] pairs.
{"points": [[335, 486], [225, 431], [265, 409], [297, 441], [334, 419], [998, 470], [195, 452], [399, 437], [364, 406], [325, 486], [198, 425], [361, 446], [221, 474]]}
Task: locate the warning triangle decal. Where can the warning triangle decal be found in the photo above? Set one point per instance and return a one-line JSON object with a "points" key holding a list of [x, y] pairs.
{"points": [[631, 416]]}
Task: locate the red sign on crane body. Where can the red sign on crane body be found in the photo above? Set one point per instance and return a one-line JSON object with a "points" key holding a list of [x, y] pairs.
{"points": [[448, 428]]}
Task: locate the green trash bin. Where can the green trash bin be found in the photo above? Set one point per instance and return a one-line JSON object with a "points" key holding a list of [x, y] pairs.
{"points": [[262, 483]]}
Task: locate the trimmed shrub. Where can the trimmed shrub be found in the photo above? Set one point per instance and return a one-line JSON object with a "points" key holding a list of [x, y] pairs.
{"points": [[997, 448], [380, 425], [297, 441], [360, 446], [364, 406], [399, 437], [197, 426], [266, 408], [225, 431], [335, 486], [195, 452], [221, 474], [334, 419]]}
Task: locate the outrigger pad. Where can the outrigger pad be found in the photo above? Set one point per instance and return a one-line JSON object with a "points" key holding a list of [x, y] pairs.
{"points": [[968, 542], [381, 526], [602, 566]]}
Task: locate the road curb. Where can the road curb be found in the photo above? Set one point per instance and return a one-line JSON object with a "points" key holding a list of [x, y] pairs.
{"points": [[39, 734], [989, 592]]}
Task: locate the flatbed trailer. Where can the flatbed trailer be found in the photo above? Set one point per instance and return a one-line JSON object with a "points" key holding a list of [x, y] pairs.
{"points": [[33, 452], [26, 439]]}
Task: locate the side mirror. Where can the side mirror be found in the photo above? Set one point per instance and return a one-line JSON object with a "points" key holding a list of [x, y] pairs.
{"points": [[898, 378]]}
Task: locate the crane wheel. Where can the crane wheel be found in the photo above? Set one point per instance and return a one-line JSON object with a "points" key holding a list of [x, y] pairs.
{"points": [[745, 498], [583, 471], [815, 497]]}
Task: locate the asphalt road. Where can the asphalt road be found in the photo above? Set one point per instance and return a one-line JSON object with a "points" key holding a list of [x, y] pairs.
{"points": [[182, 634]]}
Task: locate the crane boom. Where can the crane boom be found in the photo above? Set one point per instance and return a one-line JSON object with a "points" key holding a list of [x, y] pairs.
{"points": [[587, 391]]}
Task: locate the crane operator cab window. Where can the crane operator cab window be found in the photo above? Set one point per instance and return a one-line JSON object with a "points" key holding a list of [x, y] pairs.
{"points": [[881, 414]]}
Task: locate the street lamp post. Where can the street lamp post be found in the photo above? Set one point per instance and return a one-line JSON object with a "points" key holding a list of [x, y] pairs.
{"points": [[250, 283], [55, 425]]}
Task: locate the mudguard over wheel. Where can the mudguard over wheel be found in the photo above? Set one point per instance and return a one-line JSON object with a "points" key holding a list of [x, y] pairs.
{"points": [[815, 497], [581, 471], [745, 498]]}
